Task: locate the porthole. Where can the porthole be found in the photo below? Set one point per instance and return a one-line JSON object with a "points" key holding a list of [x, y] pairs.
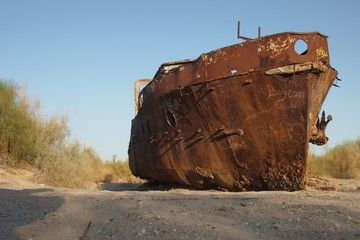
{"points": [[170, 118], [301, 47]]}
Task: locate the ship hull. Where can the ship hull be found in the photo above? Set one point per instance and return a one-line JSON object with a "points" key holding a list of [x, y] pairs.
{"points": [[245, 130]]}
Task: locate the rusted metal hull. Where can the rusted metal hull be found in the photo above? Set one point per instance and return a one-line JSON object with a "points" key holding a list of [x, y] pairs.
{"points": [[237, 118]]}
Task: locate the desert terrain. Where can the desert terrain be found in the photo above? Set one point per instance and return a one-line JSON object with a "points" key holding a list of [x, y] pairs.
{"points": [[327, 209]]}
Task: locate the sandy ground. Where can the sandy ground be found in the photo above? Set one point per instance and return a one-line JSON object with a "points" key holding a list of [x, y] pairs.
{"points": [[328, 209]]}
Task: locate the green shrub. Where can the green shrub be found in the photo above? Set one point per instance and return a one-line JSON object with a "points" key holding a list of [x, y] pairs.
{"points": [[17, 124]]}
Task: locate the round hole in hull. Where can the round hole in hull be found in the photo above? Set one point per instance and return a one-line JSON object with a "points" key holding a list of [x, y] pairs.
{"points": [[301, 47]]}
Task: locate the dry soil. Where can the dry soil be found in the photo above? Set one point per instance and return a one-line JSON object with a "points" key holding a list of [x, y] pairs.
{"points": [[327, 209]]}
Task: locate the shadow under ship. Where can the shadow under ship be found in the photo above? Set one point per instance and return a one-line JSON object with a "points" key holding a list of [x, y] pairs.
{"points": [[237, 118]]}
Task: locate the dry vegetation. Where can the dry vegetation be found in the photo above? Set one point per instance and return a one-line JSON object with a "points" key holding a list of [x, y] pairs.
{"points": [[342, 161], [28, 139]]}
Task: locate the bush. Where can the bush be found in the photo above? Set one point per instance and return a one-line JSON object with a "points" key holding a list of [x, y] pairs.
{"points": [[60, 162], [44, 143], [342, 161], [17, 124], [121, 172]]}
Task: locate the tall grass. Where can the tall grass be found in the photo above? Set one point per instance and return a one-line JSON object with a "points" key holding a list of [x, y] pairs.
{"points": [[342, 161], [44, 143]]}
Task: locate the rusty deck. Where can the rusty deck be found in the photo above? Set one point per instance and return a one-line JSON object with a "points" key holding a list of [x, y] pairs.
{"points": [[237, 118]]}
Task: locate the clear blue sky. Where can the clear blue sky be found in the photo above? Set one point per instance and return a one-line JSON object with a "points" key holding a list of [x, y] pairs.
{"points": [[82, 57]]}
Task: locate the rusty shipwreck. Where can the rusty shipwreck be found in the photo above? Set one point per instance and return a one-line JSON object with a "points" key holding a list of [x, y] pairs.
{"points": [[237, 118]]}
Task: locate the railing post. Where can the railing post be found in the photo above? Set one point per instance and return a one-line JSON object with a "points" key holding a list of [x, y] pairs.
{"points": [[137, 85]]}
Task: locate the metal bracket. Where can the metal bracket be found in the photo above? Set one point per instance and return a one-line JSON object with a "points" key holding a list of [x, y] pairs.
{"points": [[246, 38]]}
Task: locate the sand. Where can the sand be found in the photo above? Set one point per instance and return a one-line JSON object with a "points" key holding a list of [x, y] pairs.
{"points": [[327, 209]]}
